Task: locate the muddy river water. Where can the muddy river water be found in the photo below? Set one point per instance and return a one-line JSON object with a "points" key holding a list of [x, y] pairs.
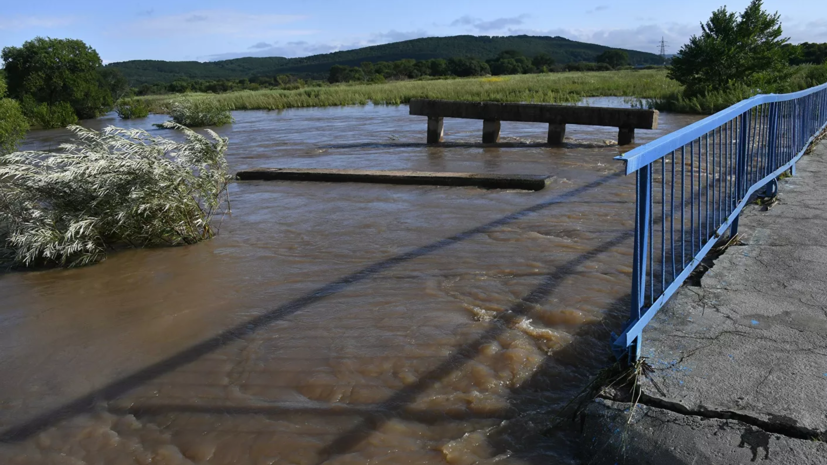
{"points": [[334, 323]]}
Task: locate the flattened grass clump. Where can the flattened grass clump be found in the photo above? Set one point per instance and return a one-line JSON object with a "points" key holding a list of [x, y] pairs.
{"points": [[199, 113], [108, 190]]}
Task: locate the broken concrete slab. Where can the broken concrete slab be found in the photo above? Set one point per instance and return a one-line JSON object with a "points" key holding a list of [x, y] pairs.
{"points": [[616, 434]]}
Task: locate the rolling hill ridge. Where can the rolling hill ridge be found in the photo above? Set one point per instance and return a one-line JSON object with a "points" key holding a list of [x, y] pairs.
{"points": [[317, 66]]}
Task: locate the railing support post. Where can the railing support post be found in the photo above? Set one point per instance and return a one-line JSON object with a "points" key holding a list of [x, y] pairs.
{"points": [[772, 142], [771, 190], [490, 131], [740, 168], [642, 213], [435, 129]]}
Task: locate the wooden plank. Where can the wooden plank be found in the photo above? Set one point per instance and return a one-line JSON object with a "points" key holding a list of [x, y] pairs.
{"points": [[537, 113], [488, 181]]}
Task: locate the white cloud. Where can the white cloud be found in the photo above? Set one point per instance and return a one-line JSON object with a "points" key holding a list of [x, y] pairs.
{"points": [[303, 48], [645, 38], [228, 23], [807, 31], [396, 36], [29, 22], [597, 9], [491, 25]]}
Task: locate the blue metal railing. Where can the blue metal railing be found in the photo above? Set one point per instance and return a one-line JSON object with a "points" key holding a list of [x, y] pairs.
{"points": [[692, 185]]}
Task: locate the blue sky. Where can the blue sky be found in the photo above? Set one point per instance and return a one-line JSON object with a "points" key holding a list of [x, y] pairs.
{"points": [[209, 30]]}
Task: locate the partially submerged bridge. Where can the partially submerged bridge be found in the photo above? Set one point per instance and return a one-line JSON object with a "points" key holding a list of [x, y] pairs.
{"points": [[556, 116]]}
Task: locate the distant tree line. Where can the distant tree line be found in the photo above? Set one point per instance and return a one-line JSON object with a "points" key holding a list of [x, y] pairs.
{"points": [[808, 53], [218, 86], [506, 62]]}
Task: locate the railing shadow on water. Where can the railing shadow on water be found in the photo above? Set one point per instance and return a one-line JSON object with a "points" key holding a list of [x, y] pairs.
{"points": [[698, 179], [521, 435], [121, 386]]}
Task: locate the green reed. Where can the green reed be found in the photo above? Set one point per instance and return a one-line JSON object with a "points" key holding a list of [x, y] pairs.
{"points": [[536, 88]]}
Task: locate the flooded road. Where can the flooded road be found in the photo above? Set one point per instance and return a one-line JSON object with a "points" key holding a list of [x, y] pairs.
{"points": [[334, 323]]}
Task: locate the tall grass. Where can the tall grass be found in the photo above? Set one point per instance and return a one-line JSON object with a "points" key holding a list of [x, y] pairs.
{"points": [[539, 88], [794, 79]]}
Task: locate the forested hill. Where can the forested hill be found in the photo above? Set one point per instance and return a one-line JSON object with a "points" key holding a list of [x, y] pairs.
{"points": [[560, 49]]}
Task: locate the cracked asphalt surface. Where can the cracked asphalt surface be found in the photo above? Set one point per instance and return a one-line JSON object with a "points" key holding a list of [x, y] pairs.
{"points": [[740, 363]]}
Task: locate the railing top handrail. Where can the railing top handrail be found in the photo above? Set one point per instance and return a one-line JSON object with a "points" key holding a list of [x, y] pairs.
{"points": [[657, 149]]}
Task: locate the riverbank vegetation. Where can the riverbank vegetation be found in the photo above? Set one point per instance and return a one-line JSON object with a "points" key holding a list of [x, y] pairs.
{"points": [[58, 81], [198, 113], [737, 56], [540, 88], [131, 108], [110, 190], [13, 124]]}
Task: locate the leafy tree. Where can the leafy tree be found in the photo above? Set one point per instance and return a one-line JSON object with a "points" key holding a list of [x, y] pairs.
{"points": [[114, 81], [283, 79], [808, 53], [338, 73], [422, 68], [464, 67], [439, 67], [505, 66], [732, 50], [404, 68], [542, 60], [59, 115], [57, 71], [510, 62], [367, 68], [613, 58], [13, 124]]}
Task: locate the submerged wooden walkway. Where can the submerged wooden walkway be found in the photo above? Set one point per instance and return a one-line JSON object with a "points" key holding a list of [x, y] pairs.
{"points": [[488, 181]]}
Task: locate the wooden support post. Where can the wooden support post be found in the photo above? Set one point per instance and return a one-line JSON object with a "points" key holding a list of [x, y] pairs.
{"points": [[490, 131], [435, 129], [556, 133], [625, 136]]}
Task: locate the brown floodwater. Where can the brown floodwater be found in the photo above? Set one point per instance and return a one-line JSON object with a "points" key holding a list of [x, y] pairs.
{"points": [[334, 323]]}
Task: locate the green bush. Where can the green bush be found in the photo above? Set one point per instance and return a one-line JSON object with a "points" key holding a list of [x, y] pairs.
{"points": [[54, 71], [108, 190], [131, 108], [198, 113], [47, 116], [13, 125], [732, 50]]}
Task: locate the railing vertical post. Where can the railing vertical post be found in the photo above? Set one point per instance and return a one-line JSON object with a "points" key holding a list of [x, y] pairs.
{"points": [[740, 167], [772, 150], [796, 129], [642, 215]]}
